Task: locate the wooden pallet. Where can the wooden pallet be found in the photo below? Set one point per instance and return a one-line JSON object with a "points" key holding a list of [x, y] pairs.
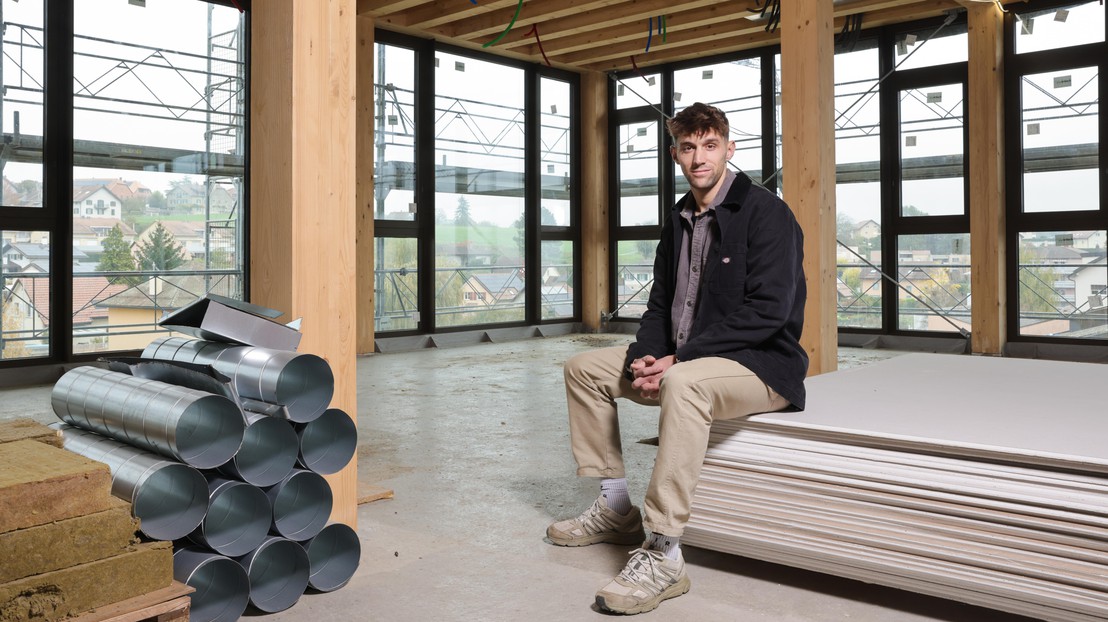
{"points": [[169, 604]]}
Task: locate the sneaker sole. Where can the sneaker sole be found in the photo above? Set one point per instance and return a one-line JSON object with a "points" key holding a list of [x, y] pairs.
{"points": [[599, 538], [682, 586]]}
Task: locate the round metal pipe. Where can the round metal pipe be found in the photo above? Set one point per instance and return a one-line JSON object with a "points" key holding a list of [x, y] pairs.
{"points": [[197, 428], [333, 557], [301, 504], [222, 585], [268, 452], [328, 442], [302, 383], [169, 498], [238, 517], [278, 571]]}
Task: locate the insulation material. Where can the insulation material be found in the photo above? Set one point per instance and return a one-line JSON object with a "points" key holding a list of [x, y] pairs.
{"points": [[932, 473], [27, 429], [65, 543], [62, 593], [40, 483]]}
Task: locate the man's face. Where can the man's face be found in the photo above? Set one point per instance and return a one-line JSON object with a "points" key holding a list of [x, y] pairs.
{"points": [[703, 159]]}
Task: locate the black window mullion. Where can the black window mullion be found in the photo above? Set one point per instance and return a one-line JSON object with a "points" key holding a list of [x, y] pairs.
{"points": [[58, 172], [425, 183], [532, 185]]}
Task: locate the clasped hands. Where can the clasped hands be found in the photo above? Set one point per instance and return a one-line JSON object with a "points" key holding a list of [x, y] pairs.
{"points": [[647, 374]]}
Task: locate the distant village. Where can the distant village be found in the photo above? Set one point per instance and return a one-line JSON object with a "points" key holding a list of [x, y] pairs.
{"points": [[117, 311]]}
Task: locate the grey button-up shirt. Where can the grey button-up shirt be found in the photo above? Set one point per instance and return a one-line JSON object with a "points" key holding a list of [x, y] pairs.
{"points": [[699, 231]]}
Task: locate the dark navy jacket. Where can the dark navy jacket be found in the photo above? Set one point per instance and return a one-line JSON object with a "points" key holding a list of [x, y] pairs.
{"points": [[751, 301]]}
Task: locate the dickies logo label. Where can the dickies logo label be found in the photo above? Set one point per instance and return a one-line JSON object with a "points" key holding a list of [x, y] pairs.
{"points": [[726, 260]]}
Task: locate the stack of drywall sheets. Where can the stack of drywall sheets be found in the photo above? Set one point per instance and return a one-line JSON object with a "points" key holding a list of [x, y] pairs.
{"points": [[983, 480]]}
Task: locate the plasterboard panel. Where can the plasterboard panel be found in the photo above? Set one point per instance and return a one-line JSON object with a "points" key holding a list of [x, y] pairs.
{"points": [[1046, 412]]}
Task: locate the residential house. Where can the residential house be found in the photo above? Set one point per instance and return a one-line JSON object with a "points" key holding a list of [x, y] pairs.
{"points": [[1090, 239], [867, 230], [89, 233], [189, 197], [23, 195], [96, 202], [491, 288]]}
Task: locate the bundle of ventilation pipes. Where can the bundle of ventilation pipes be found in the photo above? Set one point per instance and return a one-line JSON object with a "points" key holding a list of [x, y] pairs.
{"points": [[221, 448]]}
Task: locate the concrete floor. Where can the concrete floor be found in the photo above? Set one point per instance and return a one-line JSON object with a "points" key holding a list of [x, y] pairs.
{"points": [[474, 443]]}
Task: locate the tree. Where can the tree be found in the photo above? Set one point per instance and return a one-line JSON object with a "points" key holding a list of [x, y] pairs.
{"points": [[160, 252], [157, 200], [461, 215], [133, 207], [117, 257]]}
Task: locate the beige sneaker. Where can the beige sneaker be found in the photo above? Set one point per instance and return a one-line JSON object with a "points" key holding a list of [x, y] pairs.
{"points": [[598, 524], [648, 579]]}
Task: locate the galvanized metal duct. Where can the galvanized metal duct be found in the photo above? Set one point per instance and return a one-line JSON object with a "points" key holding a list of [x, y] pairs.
{"points": [[268, 451], [169, 498], [328, 442], [238, 517], [197, 428], [301, 504], [333, 556], [302, 383], [278, 570], [222, 585]]}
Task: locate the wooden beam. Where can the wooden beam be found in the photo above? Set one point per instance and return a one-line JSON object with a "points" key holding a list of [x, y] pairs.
{"points": [[808, 168], [363, 188], [985, 116], [303, 247], [594, 200]]}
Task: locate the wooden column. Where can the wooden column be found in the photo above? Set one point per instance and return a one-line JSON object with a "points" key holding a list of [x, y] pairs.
{"points": [[986, 178], [808, 167], [594, 200], [302, 177], [363, 186]]}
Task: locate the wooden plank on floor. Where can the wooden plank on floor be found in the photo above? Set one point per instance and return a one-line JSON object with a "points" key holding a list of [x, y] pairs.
{"points": [[370, 492], [169, 603]]}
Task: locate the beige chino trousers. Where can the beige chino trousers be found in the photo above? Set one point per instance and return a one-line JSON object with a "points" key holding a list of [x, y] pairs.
{"points": [[693, 394]]}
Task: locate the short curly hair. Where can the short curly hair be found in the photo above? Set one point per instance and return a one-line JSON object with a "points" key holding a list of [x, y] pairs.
{"points": [[698, 119]]}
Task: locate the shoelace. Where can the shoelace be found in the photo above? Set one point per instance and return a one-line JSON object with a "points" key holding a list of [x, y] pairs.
{"points": [[643, 569]]}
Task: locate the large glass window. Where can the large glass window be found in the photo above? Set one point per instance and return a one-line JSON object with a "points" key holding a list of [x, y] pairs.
{"points": [[556, 213], [1058, 220], [638, 174], [396, 206], [479, 192], [149, 185], [931, 151], [1063, 284], [934, 282], [1061, 145], [158, 165], [858, 188]]}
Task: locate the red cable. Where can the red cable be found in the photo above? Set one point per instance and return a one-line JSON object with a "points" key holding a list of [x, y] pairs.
{"points": [[535, 30]]}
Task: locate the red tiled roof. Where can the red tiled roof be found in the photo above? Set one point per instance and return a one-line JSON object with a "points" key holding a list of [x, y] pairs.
{"points": [[87, 291]]}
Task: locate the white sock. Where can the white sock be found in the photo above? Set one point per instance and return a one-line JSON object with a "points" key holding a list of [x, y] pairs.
{"points": [[614, 491], [670, 545]]}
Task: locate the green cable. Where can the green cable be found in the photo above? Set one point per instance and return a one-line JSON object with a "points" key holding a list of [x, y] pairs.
{"points": [[519, 7]]}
